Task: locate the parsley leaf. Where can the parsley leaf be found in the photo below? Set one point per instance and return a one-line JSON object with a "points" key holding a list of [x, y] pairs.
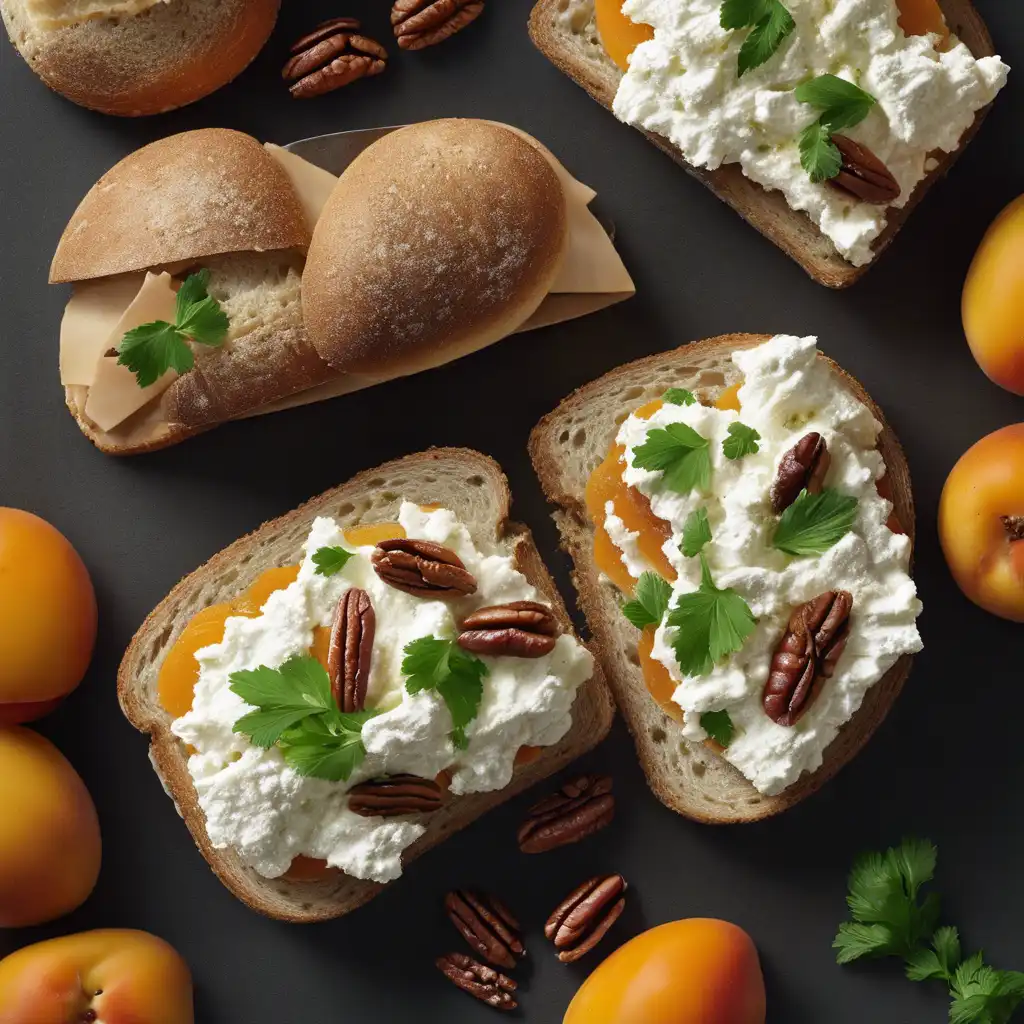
{"points": [[444, 667], [328, 748], [815, 522], [843, 105], [150, 350], [984, 995], [939, 961], [819, 155], [766, 37], [696, 532], [742, 440], [718, 725], [680, 453], [679, 396], [710, 625], [329, 561], [650, 603]]}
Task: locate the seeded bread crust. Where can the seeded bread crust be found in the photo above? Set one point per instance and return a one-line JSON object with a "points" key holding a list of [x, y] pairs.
{"points": [[565, 31], [475, 489], [566, 446]]}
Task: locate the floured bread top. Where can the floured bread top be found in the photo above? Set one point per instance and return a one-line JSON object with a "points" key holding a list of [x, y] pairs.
{"points": [[57, 14]]}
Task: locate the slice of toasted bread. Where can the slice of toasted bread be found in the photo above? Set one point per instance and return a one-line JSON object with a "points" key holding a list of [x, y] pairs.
{"points": [[475, 489], [565, 31], [566, 446]]}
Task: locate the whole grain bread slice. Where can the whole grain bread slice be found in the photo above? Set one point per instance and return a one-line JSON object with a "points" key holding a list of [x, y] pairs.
{"points": [[566, 446], [473, 487], [565, 31]]}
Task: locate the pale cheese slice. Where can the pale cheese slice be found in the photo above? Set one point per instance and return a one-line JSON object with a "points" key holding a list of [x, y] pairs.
{"points": [[56, 14], [312, 184], [114, 394]]}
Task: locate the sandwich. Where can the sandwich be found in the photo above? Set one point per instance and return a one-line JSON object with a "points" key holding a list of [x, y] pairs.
{"points": [[821, 124], [740, 520], [215, 278], [336, 693], [137, 57]]}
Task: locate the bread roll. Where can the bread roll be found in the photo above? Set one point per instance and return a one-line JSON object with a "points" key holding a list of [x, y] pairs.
{"points": [[437, 240], [135, 57]]}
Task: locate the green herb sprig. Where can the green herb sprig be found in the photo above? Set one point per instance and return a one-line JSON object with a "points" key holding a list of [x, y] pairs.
{"points": [[742, 440], [680, 453], [331, 560], [842, 105], [718, 725], [815, 522], [650, 601], [769, 23]]}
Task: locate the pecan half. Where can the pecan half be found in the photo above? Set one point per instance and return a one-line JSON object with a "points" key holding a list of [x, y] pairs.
{"points": [[522, 629], [332, 55], [484, 983], [394, 795], [351, 648], [582, 807], [421, 23], [803, 467], [422, 568], [487, 925], [863, 175], [807, 655], [583, 918]]}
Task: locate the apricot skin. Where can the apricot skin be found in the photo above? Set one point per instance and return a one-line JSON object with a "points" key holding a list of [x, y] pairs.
{"points": [[697, 971], [124, 977], [993, 300], [986, 484], [50, 835]]}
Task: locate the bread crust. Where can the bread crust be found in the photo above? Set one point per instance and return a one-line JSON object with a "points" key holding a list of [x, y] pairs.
{"points": [[165, 57], [474, 487], [437, 240], [767, 211], [689, 778]]}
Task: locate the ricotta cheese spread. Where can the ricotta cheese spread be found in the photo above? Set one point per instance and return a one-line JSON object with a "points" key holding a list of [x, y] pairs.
{"points": [[787, 392], [684, 85], [270, 814]]}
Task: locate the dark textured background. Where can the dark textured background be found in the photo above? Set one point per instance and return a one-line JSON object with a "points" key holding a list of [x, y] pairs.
{"points": [[947, 763]]}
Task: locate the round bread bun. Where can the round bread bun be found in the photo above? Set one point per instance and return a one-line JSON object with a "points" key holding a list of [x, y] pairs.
{"points": [[180, 199], [437, 240], [136, 57]]}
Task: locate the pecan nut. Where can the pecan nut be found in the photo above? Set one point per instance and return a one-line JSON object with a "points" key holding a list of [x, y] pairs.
{"points": [[332, 55], [422, 23], [351, 649], [807, 655], [393, 795], [484, 983], [578, 810], [422, 568], [520, 629], [863, 175], [487, 925], [583, 918], [803, 467]]}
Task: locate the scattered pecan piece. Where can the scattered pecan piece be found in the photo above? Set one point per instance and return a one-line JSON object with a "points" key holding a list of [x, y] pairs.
{"points": [[422, 568], [583, 918], [582, 807], [807, 655], [332, 55], [351, 648], [394, 795], [803, 467], [422, 23], [521, 629], [484, 983], [863, 175], [487, 925]]}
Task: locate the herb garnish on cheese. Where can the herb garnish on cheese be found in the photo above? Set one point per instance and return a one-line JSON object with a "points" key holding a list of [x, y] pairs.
{"points": [[815, 522], [742, 440], [330, 561], [680, 453], [843, 105], [650, 603], [770, 23]]}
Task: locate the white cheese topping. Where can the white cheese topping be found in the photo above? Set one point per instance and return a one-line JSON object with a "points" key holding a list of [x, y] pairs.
{"points": [[270, 814], [787, 392], [684, 85], [626, 540]]}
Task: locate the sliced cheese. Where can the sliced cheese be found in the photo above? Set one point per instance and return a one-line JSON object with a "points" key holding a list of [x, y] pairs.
{"points": [[114, 394], [55, 14], [90, 317], [312, 184]]}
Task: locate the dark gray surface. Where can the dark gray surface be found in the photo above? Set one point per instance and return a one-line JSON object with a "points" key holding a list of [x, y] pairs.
{"points": [[946, 764]]}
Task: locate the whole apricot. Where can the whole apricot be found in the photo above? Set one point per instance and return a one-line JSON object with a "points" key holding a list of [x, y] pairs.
{"points": [[50, 835], [981, 522], [697, 971], [114, 976], [993, 300], [48, 611]]}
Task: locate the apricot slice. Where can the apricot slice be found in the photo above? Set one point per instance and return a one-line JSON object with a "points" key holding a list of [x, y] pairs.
{"points": [[620, 35]]}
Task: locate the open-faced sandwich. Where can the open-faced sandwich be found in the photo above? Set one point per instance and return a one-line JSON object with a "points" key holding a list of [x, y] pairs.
{"points": [[342, 689], [822, 123], [741, 523]]}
